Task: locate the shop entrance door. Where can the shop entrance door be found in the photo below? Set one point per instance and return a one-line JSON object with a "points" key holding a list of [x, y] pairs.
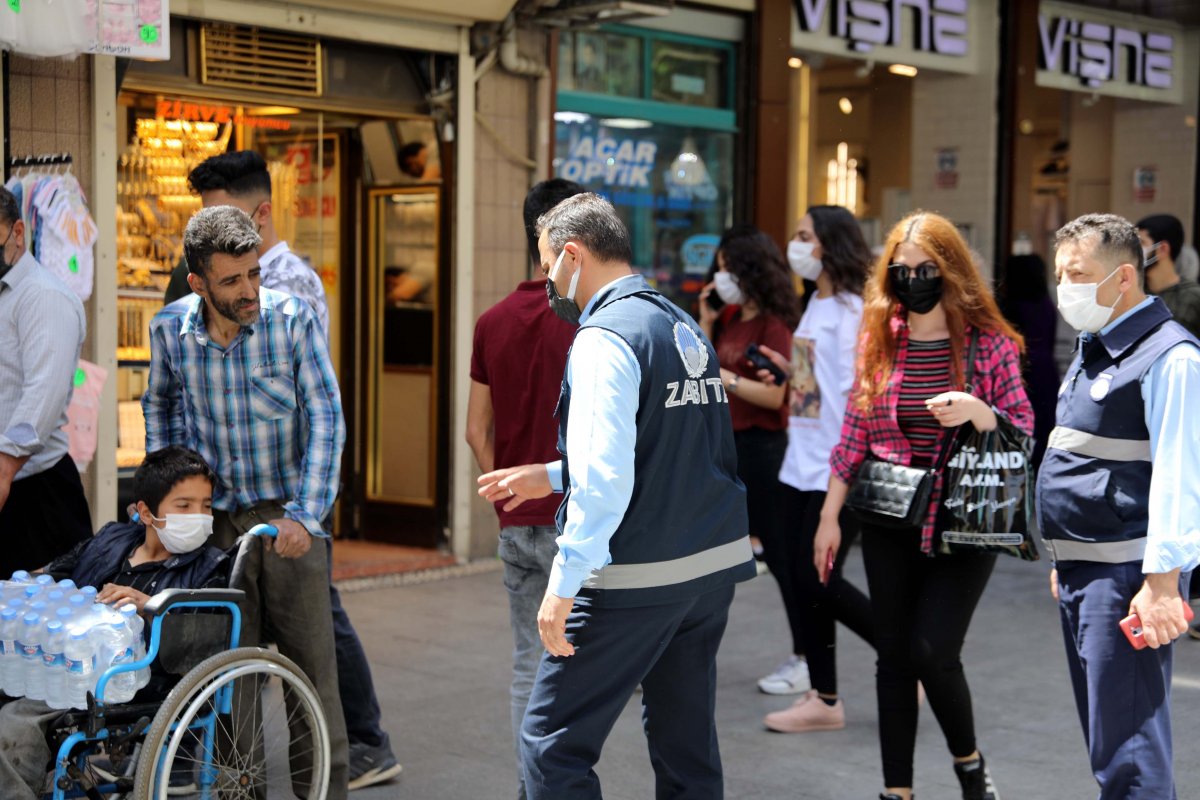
{"points": [[403, 474]]}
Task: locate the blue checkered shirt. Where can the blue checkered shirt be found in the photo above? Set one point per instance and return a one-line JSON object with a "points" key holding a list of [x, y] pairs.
{"points": [[265, 412]]}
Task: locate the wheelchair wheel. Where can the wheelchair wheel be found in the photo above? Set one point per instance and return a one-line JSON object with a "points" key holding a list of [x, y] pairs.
{"points": [[246, 723]]}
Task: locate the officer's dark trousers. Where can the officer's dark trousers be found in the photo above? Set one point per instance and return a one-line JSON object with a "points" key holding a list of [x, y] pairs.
{"points": [[671, 650], [1123, 695]]}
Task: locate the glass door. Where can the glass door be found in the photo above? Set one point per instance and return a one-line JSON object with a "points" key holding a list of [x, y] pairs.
{"points": [[402, 459]]}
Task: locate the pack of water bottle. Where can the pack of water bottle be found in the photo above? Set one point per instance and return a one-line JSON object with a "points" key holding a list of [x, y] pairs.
{"points": [[56, 641]]}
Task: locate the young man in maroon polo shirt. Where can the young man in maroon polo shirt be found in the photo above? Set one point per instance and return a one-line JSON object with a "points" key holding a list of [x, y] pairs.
{"points": [[517, 365]]}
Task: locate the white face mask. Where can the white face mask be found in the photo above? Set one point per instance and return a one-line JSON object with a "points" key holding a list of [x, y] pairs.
{"points": [[183, 533], [1078, 306], [800, 257], [728, 289]]}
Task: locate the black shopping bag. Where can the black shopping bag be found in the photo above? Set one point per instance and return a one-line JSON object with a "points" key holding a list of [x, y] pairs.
{"points": [[987, 498]]}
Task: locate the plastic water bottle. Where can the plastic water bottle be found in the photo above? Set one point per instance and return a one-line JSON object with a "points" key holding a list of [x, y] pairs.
{"points": [[21, 576], [137, 626], [12, 679], [55, 663], [30, 644], [44, 580], [78, 605], [67, 585], [90, 593], [81, 667], [55, 599], [32, 591], [116, 648], [42, 609]]}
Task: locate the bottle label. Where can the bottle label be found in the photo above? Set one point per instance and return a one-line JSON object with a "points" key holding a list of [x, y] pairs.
{"points": [[53, 660], [30, 650], [80, 666], [8, 647]]}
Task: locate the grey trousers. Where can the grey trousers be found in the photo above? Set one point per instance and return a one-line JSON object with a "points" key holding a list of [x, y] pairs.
{"points": [[24, 752], [287, 602]]}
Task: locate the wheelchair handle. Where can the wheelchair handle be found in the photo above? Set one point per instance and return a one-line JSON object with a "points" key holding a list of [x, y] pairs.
{"points": [[263, 530]]}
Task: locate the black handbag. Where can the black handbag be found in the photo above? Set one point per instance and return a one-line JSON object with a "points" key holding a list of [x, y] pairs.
{"points": [[889, 495]]}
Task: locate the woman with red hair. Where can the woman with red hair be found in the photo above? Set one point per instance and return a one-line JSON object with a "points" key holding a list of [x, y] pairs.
{"points": [[925, 302]]}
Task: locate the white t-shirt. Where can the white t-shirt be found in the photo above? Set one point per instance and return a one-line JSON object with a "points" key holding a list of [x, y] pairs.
{"points": [[823, 352]]}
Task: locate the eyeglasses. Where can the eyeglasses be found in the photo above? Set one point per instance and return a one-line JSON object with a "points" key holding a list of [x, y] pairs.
{"points": [[903, 272]]}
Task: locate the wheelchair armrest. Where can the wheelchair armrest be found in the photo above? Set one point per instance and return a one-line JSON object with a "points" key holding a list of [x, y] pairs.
{"points": [[162, 602]]}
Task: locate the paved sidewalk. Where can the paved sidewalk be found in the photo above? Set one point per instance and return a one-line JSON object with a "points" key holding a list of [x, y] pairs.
{"points": [[440, 652]]}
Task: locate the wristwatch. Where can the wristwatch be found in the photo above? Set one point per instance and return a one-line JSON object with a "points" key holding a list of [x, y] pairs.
{"points": [[731, 387]]}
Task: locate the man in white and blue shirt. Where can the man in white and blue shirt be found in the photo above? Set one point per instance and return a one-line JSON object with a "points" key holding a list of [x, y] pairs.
{"points": [[653, 528], [241, 375], [43, 511], [1118, 504]]}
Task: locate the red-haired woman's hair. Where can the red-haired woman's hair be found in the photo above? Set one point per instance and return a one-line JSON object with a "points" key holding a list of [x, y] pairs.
{"points": [[966, 299]]}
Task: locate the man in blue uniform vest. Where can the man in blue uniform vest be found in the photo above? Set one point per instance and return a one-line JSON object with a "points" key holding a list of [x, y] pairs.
{"points": [[653, 522], [1118, 504]]}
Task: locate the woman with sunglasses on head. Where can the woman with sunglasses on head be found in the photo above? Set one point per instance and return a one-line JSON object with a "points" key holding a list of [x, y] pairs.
{"points": [[924, 304], [828, 248], [760, 308]]}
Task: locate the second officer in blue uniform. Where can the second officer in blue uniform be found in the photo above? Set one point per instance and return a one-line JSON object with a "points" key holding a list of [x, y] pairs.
{"points": [[1118, 502], [653, 529]]}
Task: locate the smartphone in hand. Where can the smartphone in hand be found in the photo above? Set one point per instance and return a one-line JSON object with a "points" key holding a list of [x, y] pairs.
{"points": [[755, 357], [1131, 626]]}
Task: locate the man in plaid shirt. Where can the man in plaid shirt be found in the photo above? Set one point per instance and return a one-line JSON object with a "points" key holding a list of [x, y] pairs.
{"points": [[242, 375]]}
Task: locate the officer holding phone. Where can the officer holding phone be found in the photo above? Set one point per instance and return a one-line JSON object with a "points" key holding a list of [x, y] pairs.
{"points": [[1117, 513], [653, 525]]}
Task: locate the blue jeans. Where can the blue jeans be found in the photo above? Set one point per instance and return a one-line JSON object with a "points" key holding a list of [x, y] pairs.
{"points": [[528, 553], [357, 690]]}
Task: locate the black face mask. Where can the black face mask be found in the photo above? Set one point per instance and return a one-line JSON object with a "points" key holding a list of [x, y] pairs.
{"points": [[564, 309], [918, 295]]}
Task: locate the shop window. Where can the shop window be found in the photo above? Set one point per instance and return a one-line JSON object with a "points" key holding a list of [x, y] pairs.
{"points": [[672, 186], [600, 62], [688, 75]]}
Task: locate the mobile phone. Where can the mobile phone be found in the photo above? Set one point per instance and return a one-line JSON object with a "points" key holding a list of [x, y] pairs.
{"points": [[1131, 626], [828, 573], [714, 301], [762, 362]]}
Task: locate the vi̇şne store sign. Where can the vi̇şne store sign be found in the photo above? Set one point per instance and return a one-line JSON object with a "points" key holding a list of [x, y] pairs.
{"points": [[932, 34], [1084, 50]]}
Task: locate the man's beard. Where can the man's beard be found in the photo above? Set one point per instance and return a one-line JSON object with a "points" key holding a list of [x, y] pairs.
{"points": [[236, 310]]}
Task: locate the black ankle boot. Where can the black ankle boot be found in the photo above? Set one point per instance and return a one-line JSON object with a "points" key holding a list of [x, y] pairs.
{"points": [[893, 797], [976, 780]]}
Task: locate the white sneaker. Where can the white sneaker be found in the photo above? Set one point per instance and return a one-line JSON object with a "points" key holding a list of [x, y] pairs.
{"points": [[790, 677]]}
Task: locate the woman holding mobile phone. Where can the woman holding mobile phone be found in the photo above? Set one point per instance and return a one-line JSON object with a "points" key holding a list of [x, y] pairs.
{"points": [[828, 248], [925, 302], [761, 308]]}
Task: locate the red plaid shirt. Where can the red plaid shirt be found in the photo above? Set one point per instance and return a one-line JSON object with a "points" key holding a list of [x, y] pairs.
{"points": [[997, 381]]}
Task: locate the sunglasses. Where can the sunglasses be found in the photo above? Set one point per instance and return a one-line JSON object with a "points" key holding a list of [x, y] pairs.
{"points": [[903, 272]]}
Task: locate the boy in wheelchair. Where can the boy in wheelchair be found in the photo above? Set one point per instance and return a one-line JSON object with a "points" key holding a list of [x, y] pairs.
{"points": [[165, 547]]}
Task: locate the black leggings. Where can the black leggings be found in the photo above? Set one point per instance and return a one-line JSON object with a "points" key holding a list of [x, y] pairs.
{"points": [[821, 607], [922, 608], [760, 455]]}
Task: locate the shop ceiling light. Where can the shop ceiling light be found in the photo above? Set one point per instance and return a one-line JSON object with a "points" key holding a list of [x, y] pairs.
{"points": [[845, 105], [688, 168], [626, 123], [795, 63], [570, 117], [903, 69]]}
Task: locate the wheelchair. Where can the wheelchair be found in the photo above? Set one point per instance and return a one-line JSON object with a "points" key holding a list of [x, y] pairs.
{"points": [[242, 722]]}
